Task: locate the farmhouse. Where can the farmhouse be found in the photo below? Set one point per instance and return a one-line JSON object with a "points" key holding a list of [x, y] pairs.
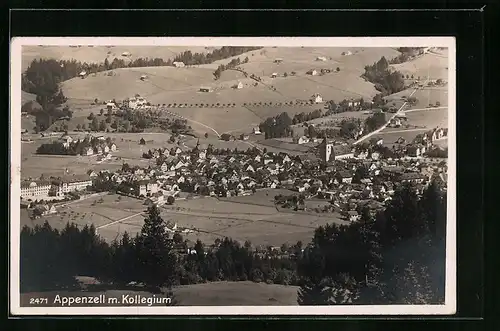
{"points": [[312, 72], [301, 140], [321, 58], [178, 64], [256, 130], [238, 86], [395, 122], [278, 60], [317, 98], [244, 136], [82, 74], [353, 216], [205, 89], [126, 54], [414, 150], [145, 188], [344, 177], [274, 75], [111, 106], [136, 102], [66, 140], [35, 188], [143, 77]]}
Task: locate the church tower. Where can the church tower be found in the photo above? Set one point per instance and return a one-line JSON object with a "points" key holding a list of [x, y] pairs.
{"points": [[326, 151]]}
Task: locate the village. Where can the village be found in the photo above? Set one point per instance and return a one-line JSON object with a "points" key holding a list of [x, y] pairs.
{"points": [[347, 179]]}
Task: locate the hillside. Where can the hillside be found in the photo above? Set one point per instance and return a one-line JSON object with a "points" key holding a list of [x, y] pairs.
{"points": [[430, 65], [169, 85], [99, 53]]}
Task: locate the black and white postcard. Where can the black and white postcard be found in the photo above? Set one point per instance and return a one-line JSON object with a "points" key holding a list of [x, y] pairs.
{"points": [[233, 176]]}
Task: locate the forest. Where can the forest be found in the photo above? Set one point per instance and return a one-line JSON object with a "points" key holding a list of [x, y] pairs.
{"points": [[344, 260]]}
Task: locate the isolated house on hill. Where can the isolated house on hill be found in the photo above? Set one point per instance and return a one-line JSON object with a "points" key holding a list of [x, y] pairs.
{"points": [[321, 58], [316, 98], [82, 74], [312, 72], [178, 64], [238, 86], [205, 89]]}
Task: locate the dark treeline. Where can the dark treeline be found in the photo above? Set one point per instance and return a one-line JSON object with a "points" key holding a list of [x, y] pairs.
{"points": [[188, 58], [341, 259], [232, 64], [385, 80]]}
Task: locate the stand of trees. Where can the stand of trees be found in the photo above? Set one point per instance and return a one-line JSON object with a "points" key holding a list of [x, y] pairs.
{"points": [[188, 58], [42, 78], [277, 127], [337, 267], [385, 81]]}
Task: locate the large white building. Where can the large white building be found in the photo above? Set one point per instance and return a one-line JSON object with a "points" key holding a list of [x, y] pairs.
{"points": [[34, 189], [66, 184]]}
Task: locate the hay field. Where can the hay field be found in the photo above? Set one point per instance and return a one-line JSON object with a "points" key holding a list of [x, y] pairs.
{"points": [[429, 65], [432, 95], [251, 218], [430, 118], [220, 119], [98, 54], [126, 82]]}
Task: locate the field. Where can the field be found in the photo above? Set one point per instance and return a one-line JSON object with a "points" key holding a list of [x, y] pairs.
{"points": [[253, 218], [430, 118], [430, 65], [209, 294]]}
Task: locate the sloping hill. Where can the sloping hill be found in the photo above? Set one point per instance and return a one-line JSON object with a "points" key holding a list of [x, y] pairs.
{"points": [[97, 54]]}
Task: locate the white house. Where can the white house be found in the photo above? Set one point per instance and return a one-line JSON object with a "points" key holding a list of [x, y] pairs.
{"points": [[321, 58], [136, 102], [317, 98], [239, 86], [256, 130], [83, 74], [274, 75], [179, 64], [313, 72]]}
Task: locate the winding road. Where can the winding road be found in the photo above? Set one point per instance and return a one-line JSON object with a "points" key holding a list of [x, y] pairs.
{"points": [[399, 112]]}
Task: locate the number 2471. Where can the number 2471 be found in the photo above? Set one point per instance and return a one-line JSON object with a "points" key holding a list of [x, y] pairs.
{"points": [[38, 301]]}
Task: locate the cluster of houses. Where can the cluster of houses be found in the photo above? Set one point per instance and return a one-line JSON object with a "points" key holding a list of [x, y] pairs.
{"points": [[89, 145], [422, 143]]}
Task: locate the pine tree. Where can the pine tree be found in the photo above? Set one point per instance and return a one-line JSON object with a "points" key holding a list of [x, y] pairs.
{"points": [[158, 261], [313, 294]]}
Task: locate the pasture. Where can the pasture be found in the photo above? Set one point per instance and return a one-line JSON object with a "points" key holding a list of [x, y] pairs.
{"points": [[429, 118], [253, 218], [434, 66]]}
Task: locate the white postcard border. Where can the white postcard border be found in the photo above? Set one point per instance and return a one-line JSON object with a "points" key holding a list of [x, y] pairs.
{"points": [[449, 307]]}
